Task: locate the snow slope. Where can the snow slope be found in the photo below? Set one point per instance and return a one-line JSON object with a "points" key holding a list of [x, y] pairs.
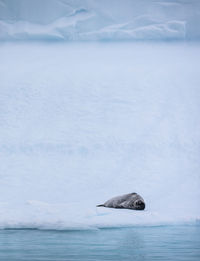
{"points": [[80, 123], [91, 20]]}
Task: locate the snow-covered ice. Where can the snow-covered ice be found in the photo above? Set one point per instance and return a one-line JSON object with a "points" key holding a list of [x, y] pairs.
{"points": [[81, 123]]}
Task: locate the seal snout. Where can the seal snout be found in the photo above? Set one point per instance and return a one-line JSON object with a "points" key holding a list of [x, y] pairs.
{"points": [[140, 205]]}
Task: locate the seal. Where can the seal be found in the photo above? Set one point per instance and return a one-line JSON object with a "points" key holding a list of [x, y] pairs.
{"points": [[128, 201]]}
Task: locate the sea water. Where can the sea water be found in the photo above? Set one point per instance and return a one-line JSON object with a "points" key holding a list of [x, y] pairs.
{"points": [[135, 243]]}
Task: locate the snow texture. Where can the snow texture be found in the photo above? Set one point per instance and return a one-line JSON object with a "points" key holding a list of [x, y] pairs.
{"points": [[81, 123], [93, 20]]}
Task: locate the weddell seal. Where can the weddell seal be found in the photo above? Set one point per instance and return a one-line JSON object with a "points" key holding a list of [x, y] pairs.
{"points": [[129, 201]]}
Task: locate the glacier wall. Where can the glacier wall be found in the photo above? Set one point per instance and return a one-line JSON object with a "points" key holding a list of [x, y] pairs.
{"points": [[91, 20]]}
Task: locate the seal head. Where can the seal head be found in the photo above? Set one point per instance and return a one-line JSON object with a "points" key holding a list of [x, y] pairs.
{"points": [[138, 205]]}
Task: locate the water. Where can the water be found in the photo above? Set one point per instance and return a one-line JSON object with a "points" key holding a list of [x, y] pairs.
{"points": [[137, 243]]}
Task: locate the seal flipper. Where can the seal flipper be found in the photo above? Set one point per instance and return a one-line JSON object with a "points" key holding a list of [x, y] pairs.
{"points": [[101, 205]]}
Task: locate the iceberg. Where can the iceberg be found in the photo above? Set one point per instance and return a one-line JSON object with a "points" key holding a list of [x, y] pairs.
{"points": [[81, 123]]}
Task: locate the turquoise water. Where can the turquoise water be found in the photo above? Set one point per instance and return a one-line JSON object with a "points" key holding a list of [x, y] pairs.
{"points": [[137, 243]]}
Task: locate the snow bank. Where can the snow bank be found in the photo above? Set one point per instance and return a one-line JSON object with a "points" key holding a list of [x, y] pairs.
{"points": [[82, 123], [87, 20]]}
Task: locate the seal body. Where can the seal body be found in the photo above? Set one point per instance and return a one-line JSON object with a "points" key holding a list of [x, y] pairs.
{"points": [[128, 201]]}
